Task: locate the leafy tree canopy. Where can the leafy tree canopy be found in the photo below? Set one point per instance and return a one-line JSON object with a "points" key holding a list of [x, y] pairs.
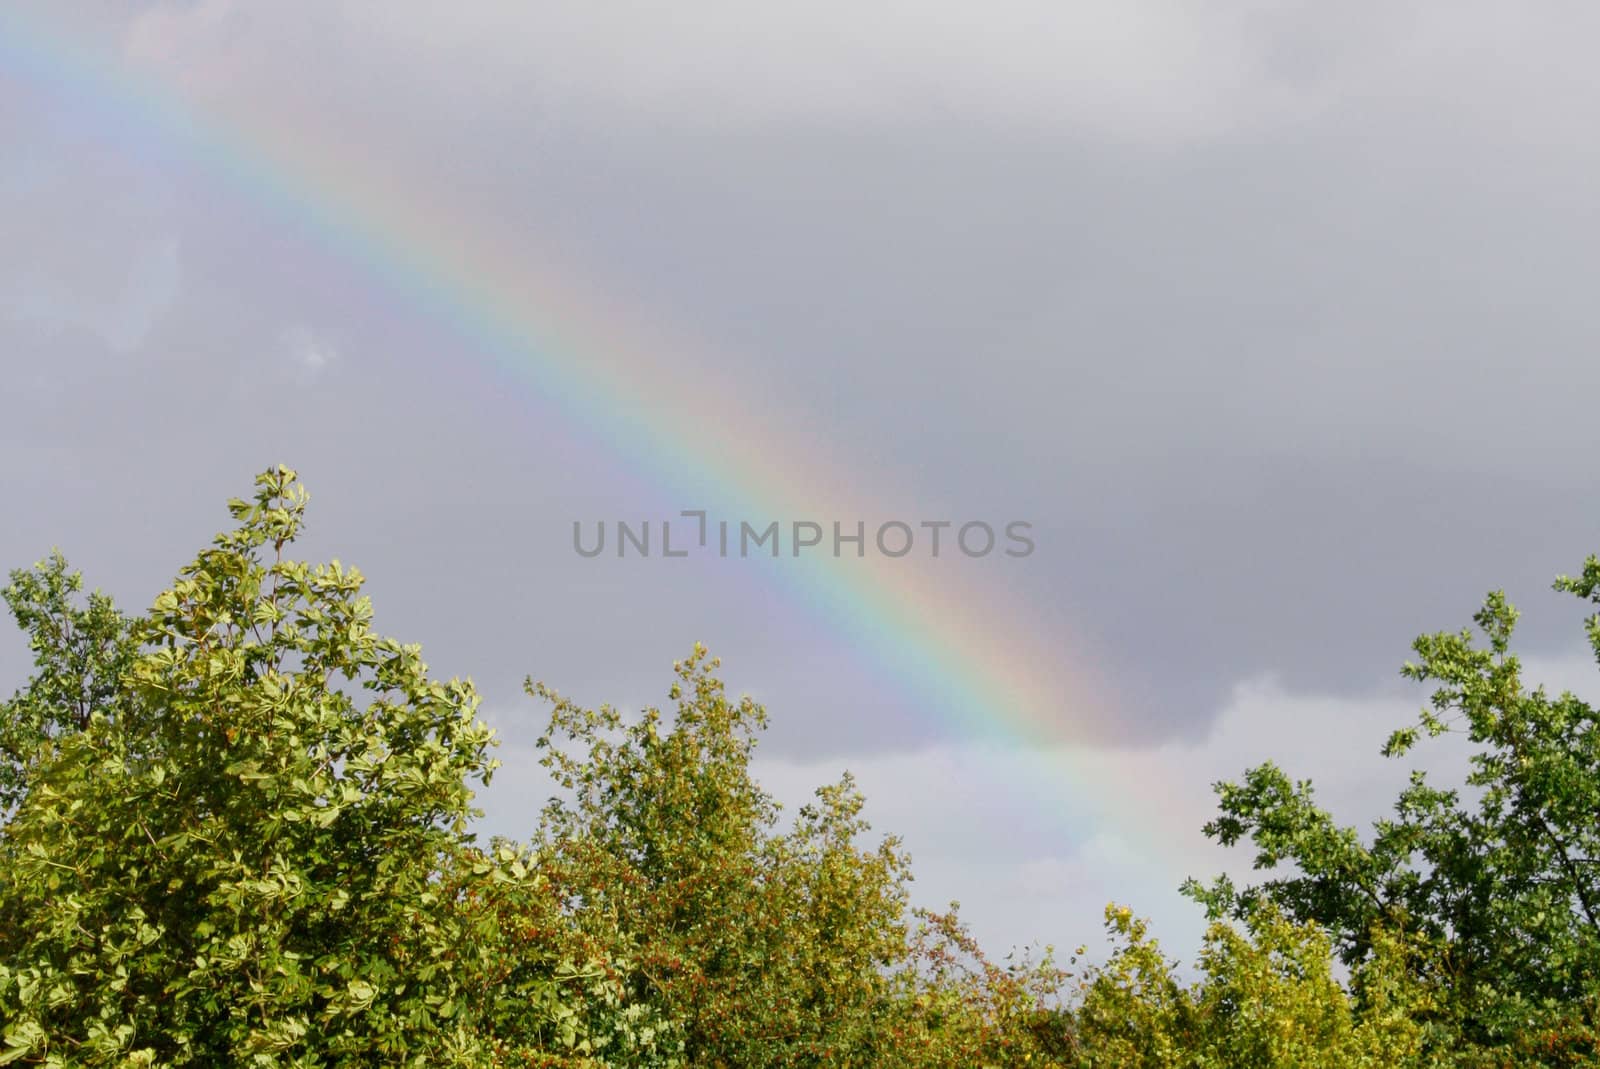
{"points": [[1501, 874], [241, 822], [236, 829], [82, 648]]}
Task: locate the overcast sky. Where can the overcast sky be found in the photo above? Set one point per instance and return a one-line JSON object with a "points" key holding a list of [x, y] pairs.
{"points": [[1275, 321]]}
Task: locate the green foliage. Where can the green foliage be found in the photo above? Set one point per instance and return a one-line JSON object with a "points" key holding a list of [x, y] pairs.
{"points": [[241, 837], [81, 651], [767, 948], [236, 854], [237, 831], [1266, 999], [541, 994], [1501, 875], [954, 1007]]}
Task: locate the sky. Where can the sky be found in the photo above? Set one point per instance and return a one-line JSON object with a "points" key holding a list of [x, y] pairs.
{"points": [[1273, 322]]}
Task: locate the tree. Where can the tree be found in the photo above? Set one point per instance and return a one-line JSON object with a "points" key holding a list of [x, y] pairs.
{"points": [[1501, 875], [81, 650], [1266, 998], [250, 846], [955, 1008], [768, 949], [541, 993]]}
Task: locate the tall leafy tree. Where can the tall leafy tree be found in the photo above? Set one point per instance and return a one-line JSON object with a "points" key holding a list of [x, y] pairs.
{"points": [[239, 853], [768, 948], [1501, 873], [81, 649]]}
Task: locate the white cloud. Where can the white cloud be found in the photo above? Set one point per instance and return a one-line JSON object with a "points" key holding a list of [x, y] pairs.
{"points": [[308, 353]]}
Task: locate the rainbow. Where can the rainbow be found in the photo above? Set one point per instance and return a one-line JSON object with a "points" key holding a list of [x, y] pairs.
{"points": [[965, 658]]}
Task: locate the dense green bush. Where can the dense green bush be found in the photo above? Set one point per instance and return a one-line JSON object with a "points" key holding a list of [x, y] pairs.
{"points": [[241, 847], [1266, 998]]}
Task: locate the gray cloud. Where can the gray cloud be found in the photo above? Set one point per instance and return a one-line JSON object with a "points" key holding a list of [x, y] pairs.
{"points": [[1245, 365]]}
